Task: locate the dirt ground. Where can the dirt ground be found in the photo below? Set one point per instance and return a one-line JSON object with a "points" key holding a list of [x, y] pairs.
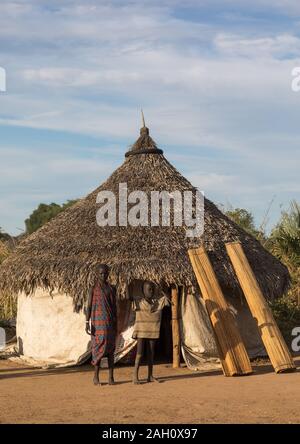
{"points": [[67, 396]]}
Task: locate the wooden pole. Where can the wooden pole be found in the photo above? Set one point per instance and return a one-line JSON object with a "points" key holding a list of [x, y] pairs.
{"points": [[271, 336], [175, 327], [233, 355]]}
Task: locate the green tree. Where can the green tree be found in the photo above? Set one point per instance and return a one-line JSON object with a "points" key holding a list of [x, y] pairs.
{"points": [[44, 213], [244, 219]]}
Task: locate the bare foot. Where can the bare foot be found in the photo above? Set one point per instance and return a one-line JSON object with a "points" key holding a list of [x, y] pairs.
{"points": [[96, 381], [111, 382], [152, 379]]}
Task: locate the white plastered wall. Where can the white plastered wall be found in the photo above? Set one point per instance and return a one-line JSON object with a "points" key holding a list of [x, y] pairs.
{"points": [[49, 330]]}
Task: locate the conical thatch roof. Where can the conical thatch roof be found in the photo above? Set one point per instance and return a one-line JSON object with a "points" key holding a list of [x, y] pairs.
{"points": [[64, 252]]}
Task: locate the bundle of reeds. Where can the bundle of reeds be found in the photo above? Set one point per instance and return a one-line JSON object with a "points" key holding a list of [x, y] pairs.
{"points": [[233, 355], [272, 338]]}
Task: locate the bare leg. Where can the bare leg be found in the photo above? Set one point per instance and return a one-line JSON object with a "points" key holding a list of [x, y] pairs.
{"points": [[96, 380], [151, 349], [110, 359], [139, 354]]}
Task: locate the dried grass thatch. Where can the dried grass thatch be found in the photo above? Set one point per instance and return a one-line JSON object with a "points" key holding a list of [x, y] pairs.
{"points": [[63, 254], [4, 251]]}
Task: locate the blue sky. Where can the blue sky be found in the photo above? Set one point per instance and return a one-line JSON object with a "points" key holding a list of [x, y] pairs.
{"points": [[213, 77]]}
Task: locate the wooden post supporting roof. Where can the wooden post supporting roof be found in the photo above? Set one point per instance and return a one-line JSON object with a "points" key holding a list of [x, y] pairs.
{"points": [[233, 355], [175, 327], [271, 336]]}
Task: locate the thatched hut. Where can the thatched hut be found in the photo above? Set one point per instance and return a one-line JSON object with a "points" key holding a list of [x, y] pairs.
{"points": [[52, 269]]}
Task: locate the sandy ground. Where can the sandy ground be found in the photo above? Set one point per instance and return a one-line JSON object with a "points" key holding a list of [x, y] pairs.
{"points": [[67, 396]]}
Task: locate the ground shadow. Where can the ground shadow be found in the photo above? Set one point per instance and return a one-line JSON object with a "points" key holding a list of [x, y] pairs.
{"points": [[22, 373], [33, 372], [45, 372]]}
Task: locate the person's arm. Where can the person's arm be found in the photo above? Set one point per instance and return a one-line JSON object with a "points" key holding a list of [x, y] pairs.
{"points": [[135, 299], [167, 300], [164, 297], [88, 312], [135, 305], [162, 302], [166, 292]]}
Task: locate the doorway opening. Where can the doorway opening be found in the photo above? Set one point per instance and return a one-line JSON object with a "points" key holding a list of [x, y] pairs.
{"points": [[164, 345]]}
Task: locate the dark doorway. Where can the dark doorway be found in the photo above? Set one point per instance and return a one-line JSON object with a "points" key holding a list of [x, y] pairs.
{"points": [[164, 345]]}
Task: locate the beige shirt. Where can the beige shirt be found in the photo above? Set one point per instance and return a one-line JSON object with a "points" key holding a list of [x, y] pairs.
{"points": [[148, 317]]}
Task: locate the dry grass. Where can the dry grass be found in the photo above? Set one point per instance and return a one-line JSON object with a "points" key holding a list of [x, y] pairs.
{"points": [[8, 304], [4, 251]]}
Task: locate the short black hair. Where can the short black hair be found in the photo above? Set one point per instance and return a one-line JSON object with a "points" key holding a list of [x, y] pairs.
{"points": [[148, 282], [104, 266]]}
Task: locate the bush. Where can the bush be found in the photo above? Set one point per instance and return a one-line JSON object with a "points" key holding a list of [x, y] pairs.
{"points": [[287, 315]]}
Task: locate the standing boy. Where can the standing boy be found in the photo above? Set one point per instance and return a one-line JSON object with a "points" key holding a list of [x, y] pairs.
{"points": [[148, 310]]}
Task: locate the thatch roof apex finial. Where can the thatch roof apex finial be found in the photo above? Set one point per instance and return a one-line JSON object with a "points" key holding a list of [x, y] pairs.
{"points": [[145, 144], [144, 129], [143, 118]]}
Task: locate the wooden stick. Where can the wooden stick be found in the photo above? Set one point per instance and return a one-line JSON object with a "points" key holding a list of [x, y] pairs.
{"points": [[271, 336], [175, 327], [233, 355]]}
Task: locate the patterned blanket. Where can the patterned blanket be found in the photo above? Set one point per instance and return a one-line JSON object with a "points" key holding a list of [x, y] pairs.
{"points": [[103, 322]]}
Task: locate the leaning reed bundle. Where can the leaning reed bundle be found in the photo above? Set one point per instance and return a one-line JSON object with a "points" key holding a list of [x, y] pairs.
{"points": [[270, 334], [233, 355]]}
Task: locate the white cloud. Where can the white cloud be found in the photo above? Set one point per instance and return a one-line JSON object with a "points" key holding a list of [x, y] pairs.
{"points": [[281, 45], [221, 86]]}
